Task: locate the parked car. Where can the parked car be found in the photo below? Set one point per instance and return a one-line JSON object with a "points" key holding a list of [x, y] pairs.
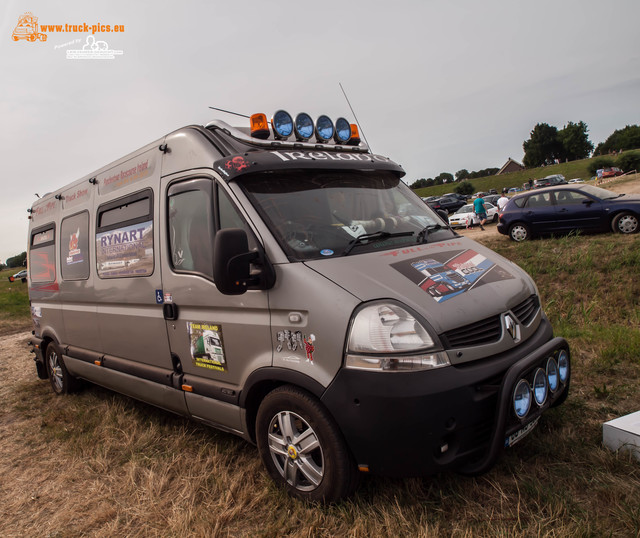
{"points": [[22, 275], [465, 216], [460, 197], [549, 181], [566, 208], [514, 190], [611, 172], [576, 180], [447, 203], [492, 198]]}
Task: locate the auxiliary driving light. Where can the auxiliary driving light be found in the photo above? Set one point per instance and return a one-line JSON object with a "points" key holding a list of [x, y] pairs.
{"points": [[343, 131], [324, 129], [522, 398], [540, 386], [552, 375], [282, 125], [563, 365], [303, 127]]}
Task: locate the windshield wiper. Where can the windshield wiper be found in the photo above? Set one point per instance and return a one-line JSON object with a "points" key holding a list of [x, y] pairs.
{"points": [[372, 238], [424, 233]]}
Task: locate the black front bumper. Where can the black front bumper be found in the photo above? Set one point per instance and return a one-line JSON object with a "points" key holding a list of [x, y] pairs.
{"points": [[457, 417]]}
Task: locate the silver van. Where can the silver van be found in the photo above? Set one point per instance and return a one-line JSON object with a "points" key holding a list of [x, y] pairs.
{"points": [[294, 292]]}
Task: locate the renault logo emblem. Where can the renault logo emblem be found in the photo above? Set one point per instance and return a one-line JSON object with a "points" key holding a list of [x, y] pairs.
{"points": [[512, 328]]}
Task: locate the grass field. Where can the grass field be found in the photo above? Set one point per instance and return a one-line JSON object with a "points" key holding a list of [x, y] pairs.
{"points": [[570, 170], [99, 464], [14, 304]]}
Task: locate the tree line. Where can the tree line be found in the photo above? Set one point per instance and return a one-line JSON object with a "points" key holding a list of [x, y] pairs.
{"points": [[548, 145]]}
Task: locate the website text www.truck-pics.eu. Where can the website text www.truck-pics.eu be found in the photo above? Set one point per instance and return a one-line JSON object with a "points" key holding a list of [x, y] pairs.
{"points": [[83, 27]]}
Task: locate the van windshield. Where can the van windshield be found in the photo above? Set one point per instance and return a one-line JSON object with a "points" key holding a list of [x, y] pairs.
{"points": [[318, 213]]}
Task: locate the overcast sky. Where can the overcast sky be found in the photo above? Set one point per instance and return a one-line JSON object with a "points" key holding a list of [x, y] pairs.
{"points": [[437, 85]]}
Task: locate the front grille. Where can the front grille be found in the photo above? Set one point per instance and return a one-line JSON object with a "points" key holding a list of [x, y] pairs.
{"points": [[489, 330], [481, 332], [526, 311]]}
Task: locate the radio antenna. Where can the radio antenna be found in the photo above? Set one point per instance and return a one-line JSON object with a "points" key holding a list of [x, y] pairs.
{"points": [[229, 112], [356, 118]]}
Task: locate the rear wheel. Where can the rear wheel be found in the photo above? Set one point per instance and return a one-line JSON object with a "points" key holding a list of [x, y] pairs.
{"points": [[519, 232], [62, 382], [495, 218], [625, 223], [302, 448]]}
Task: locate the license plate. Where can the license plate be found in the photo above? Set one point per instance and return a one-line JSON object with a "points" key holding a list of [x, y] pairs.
{"points": [[520, 434]]}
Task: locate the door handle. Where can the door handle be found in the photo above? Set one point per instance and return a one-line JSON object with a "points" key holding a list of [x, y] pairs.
{"points": [[170, 311]]}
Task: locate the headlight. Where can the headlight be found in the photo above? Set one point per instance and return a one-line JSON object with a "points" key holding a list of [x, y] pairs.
{"points": [[382, 337]]}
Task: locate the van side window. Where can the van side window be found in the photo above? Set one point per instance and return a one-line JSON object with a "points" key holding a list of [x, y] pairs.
{"points": [[74, 247], [191, 226], [124, 237], [42, 255], [230, 218]]}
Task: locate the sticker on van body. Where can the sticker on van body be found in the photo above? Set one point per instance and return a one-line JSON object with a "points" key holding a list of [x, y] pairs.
{"points": [[126, 251], [445, 275], [207, 345], [295, 341]]}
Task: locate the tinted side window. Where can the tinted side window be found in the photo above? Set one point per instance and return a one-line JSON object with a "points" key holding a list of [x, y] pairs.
{"points": [[571, 198], [42, 255], [74, 247], [124, 237], [539, 200]]}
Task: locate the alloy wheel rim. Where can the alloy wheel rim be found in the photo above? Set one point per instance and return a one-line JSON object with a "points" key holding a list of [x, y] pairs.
{"points": [[296, 451]]}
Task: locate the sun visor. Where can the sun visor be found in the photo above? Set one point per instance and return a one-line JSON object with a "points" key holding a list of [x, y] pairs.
{"points": [[259, 161]]}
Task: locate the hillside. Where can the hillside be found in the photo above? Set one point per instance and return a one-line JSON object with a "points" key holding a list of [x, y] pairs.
{"points": [[569, 170]]}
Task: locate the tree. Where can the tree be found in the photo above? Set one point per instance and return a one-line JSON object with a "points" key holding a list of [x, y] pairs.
{"points": [[465, 188], [17, 261], [444, 177], [419, 183], [462, 174], [629, 161], [575, 141], [543, 146], [600, 162], [621, 139]]}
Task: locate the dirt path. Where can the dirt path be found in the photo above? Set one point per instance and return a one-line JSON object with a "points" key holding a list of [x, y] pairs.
{"points": [[627, 185]]}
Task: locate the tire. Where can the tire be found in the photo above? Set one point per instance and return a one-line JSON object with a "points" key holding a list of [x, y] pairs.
{"points": [[302, 447], [625, 223], [519, 232], [495, 218], [62, 382]]}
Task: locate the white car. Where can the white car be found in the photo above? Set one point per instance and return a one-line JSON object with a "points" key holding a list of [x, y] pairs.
{"points": [[576, 180], [466, 216]]}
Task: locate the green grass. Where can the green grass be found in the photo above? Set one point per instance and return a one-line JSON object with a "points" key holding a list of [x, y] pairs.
{"points": [[570, 170], [14, 303]]}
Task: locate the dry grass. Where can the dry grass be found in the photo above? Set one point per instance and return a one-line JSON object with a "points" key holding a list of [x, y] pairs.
{"points": [[99, 464]]}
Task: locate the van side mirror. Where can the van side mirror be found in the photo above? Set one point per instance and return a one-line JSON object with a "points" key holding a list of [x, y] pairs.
{"points": [[232, 261]]}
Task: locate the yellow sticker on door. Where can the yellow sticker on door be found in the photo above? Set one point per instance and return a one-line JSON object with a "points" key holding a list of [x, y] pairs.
{"points": [[207, 346]]}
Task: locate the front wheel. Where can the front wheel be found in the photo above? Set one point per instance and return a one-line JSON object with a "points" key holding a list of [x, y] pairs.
{"points": [[519, 232], [625, 223], [62, 382], [302, 448]]}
